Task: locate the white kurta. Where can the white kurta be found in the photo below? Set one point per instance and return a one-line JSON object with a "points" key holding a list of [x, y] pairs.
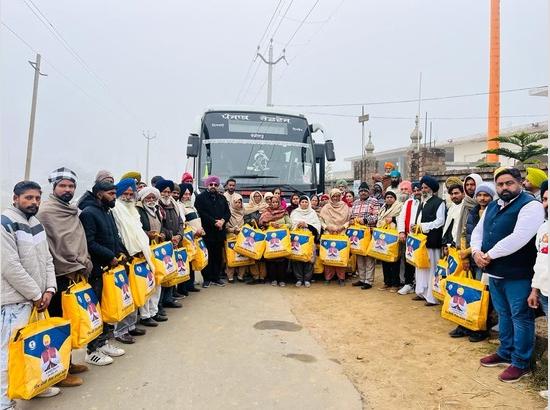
{"points": [[424, 277]]}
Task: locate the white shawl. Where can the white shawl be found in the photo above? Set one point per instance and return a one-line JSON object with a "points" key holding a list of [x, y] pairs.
{"points": [[307, 215]]}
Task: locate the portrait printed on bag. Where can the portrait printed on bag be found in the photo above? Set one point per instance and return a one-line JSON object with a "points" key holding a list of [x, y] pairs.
{"points": [[50, 360], [295, 245], [91, 308], [274, 242], [249, 241], [182, 270], [121, 282]]}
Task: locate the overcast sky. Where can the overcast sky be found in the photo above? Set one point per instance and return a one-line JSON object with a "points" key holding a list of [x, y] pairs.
{"points": [[155, 65]]}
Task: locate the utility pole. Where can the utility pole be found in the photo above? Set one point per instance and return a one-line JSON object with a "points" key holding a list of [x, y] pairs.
{"points": [[418, 115], [148, 137], [270, 63], [493, 122], [363, 118], [36, 66]]}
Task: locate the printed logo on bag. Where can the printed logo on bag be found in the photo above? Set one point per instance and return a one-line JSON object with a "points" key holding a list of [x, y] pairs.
{"points": [[355, 237], [382, 240], [87, 300], [237, 256], [440, 271], [333, 248], [181, 258], [274, 240], [461, 298], [251, 237], [413, 244], [452, 264], [143, 270], [45, 348], [203, 247], [121, 281], [297, 242]]}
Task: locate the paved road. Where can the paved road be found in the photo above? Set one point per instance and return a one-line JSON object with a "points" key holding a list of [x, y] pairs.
{"points": [[219, 352]]}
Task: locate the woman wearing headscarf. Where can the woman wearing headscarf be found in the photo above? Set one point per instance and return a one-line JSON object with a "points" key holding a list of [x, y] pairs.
{"points": [[255, 207], [278, 193], [335, 217], [305, 217], [378, 193], [314, 202], [294, 203], [387, 218], [233, 227], [276, 217]]}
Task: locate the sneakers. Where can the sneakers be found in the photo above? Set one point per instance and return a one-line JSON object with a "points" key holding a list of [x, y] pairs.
{"points": [[405, 290], [218, 282], [70, 381], [358, 283], [307, 284], [513, 374], [282, 284], [231, 280], [98, 358], [206, 284], [149, 322], [49, 392], [274, 283], [299, 284], [111, 350], [493, 360]]}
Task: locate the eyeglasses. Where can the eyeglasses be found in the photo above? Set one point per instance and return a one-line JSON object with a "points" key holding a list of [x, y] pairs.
{"points": [[214, 184]]}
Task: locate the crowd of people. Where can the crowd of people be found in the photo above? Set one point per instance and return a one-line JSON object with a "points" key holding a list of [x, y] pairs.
{"points": [[498, 227]]}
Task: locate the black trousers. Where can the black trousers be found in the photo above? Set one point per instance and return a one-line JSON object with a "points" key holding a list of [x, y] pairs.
{"points": [[276, 269], [391, 273], [215, 251], [55, 309], [96, 282], [409, 274]]}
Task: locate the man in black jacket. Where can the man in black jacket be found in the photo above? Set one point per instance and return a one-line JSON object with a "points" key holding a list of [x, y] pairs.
{"points": [[214, 212], [104, 245], [431, 218]]}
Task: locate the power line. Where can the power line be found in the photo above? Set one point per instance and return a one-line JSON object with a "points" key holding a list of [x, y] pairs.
{"points": [[301, 23], [59, 72], [431, 118], [59, 37], [254, 58], [414, 100], [282, 18]]}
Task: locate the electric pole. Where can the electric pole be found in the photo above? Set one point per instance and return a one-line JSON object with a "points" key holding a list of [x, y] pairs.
{"points": [[270, 63], [147, 135], [36, 66], [363, 118]]}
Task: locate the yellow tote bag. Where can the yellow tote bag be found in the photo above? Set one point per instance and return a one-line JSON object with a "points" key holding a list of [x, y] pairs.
{"points": [[466, 302], [416, 252], [334, 250], [116, 298], [384, 245], [454, 261], [39, 355], [201, 256], [438, 280], [163, 259], [81, 306], [318, 266], [182, 262], [142, 280], [359, 239], [233, 258], [277, 243], [250, 242], [188, 243], [301, 245]]}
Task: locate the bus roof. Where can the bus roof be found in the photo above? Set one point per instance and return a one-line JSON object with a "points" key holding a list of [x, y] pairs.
{"points": [[252, 108]]}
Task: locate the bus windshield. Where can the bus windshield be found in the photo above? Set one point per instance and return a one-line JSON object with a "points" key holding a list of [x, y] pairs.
{"points": [[257, 149]]}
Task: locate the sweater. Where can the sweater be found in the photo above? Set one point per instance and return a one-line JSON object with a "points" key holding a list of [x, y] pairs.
{"points": [[27, 265]]}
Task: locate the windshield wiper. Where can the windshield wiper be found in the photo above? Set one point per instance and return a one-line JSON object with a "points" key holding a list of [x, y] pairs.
{"points": [[253, 176]]}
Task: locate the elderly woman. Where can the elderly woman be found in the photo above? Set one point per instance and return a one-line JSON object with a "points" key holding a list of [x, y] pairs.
{"points": [[275, 216], [255, 207], [233, 227], [387, 217], [304, 217], [335, 217]]}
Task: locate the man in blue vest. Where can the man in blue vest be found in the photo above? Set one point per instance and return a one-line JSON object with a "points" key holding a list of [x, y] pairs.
{"points": [[503, 245]]}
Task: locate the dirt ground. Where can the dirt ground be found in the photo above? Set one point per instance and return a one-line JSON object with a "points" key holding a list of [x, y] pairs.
{"points": [[398, 354]]}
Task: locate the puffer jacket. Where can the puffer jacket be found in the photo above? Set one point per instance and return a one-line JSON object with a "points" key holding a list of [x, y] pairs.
{"points": [[471, 222], [27, 265]]}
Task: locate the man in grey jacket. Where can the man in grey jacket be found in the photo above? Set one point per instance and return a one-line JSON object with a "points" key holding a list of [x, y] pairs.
{"points": [[27, 275]]}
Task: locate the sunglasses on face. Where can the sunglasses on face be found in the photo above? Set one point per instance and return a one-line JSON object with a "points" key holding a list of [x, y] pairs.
{"points": [[214, 184]]}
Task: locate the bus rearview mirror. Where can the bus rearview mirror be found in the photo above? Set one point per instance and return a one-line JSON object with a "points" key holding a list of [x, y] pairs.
{"points": [[329, 151], [193, 146]]}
